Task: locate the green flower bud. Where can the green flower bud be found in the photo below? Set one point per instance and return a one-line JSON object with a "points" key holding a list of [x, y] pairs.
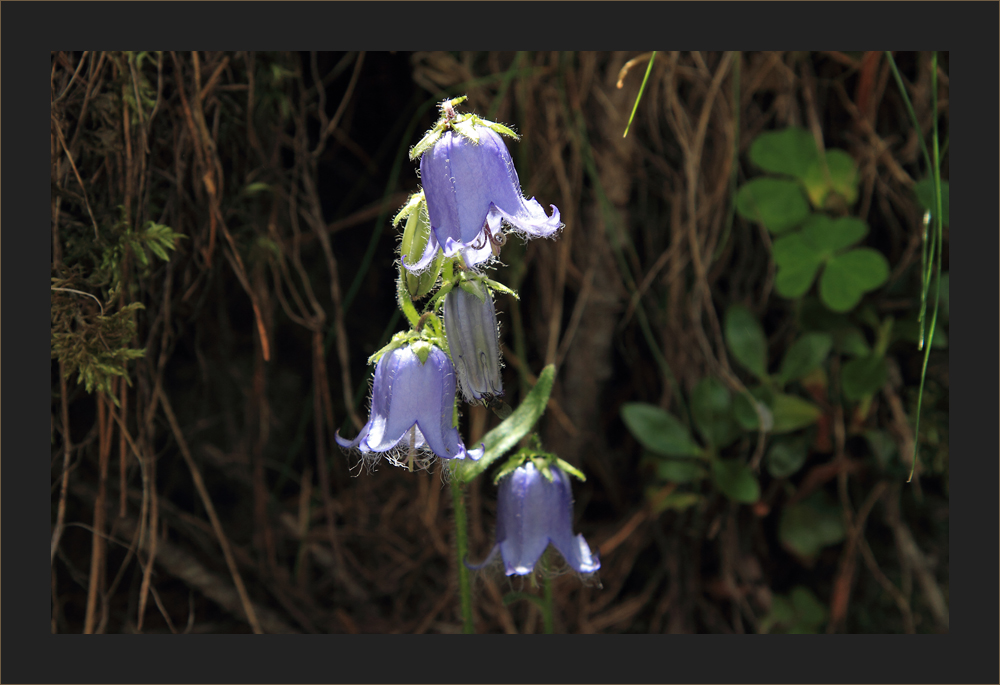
{"points": [[416, 235]]}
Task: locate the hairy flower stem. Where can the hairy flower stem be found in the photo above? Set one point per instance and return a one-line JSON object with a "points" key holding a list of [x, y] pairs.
{"points": [[461, 550]]}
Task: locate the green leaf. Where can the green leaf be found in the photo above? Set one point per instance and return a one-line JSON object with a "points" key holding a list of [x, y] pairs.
{"points": [[863, 376], [924, 190], [847, 277], [789, 151], [786, 456], [736, 480], [842, 181], [807, 527], [711, 410], [746, 341], [826, 236], [158, 250], [792, 413], [804, 355], [777, 203], [505, 436], [680, 470], [659, 431], [797, 264]]}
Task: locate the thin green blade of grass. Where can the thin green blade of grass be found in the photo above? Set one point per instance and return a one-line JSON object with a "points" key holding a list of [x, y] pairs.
{"points": [[642, 88]]}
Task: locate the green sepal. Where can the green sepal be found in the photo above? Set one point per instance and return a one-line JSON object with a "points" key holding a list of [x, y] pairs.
{"points": [[508, 468], [439, 296], [411, 205], [426, 143], [500, 128], [467, 127], [570, 469], [501, 288], [421, 348], [398, 340], [473, 288]]}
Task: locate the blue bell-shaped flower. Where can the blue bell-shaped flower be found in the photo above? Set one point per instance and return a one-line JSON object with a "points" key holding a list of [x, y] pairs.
{"points": [[471, 188], [413, 392], [533, 511]]}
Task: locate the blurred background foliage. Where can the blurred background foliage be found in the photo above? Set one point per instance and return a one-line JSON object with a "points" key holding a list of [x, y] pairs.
{"points": [[732, 309]]}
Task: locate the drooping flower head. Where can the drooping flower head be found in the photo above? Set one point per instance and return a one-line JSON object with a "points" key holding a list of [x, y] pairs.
{"points": [[471, 188], [471, 326], [532, 511], [414, 388]]}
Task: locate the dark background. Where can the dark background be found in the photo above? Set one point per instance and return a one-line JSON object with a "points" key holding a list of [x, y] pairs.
{"points": [[252, 427]]}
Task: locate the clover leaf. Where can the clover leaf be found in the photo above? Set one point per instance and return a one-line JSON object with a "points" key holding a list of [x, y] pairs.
{"points": [[847, 276], [789, 151]]}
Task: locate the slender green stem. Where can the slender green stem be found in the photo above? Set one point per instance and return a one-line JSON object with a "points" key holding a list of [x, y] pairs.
{"points": [[937, 239], [642, 88], [404, 301], [462, 550]]}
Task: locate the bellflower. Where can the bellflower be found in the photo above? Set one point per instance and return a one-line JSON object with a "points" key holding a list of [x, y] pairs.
{"points": [[471, 327], [533, 511], [471, 188], [410, 393]]}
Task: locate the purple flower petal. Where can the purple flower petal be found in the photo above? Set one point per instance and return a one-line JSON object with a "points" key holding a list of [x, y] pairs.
{"points": [[531, 513], [464, 183], [407, 393]]}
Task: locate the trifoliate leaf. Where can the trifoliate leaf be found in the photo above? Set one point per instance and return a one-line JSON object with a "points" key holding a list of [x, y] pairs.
{"points": [[826, 235], [847, 277]]}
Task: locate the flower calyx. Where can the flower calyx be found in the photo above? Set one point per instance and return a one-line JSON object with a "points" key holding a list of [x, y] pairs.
{"points": [[463, 124], [543, 461]]}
